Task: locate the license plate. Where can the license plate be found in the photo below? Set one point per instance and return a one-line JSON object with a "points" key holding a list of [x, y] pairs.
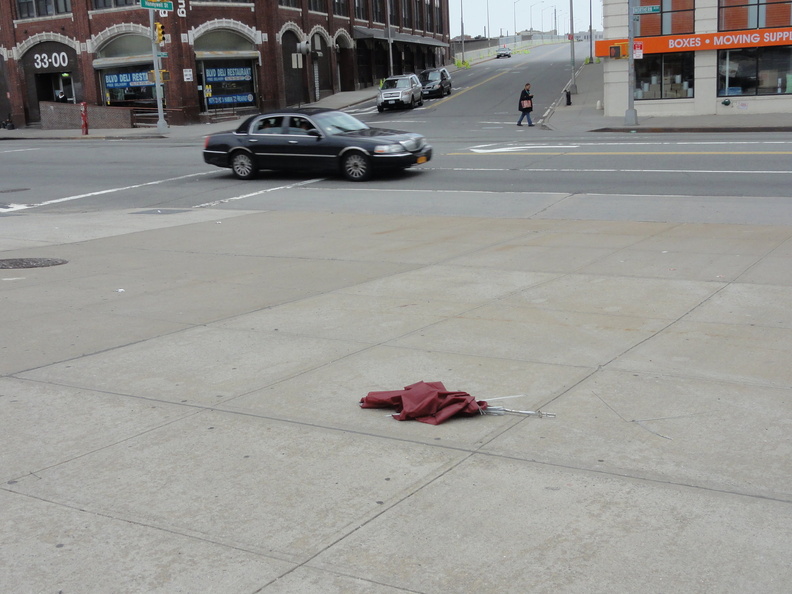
{"points": [[391, 102], [421, 160]]}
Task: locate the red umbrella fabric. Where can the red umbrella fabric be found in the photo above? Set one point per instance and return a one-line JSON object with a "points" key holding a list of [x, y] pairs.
{"points": [[427, 402]]}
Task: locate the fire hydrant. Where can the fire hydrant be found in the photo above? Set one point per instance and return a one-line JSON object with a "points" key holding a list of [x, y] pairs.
{"points": [[84, 117]]}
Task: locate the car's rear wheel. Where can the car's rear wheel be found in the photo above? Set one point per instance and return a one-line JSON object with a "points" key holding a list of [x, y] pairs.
{"points": [[412, 103], [242, 165], [356, 166]]}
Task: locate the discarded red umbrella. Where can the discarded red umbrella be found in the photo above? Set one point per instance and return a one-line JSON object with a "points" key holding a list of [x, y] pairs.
{"points": [[428, 402]]}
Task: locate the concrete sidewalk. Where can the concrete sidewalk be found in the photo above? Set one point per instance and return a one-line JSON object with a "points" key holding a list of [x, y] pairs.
{"points": [[178, 400], [178, 403]]}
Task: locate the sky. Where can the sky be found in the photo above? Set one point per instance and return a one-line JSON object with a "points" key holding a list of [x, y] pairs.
{"points": [[528, 12]]}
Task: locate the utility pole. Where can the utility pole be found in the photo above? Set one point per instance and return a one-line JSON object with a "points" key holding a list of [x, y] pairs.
{"points": [[162, 125], [462, 25], [630, 116], [573, 84]]}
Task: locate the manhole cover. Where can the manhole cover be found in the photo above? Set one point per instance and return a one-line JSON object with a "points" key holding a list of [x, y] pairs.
{"points": [[30, 262]]}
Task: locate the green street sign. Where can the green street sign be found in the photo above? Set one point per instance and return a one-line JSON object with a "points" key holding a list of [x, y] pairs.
{"points": [[157, 4], [638, 9]]}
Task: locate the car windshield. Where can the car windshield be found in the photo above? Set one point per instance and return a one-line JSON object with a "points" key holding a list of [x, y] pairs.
{"points": [[427, 76], [396, 83], [338, 122]]}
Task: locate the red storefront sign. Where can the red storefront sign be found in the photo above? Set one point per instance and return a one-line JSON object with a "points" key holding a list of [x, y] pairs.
{"points": [[703, 41]]}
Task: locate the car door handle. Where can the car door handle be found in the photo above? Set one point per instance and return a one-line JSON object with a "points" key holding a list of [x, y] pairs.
{"points": [[252, 139], [293, 141]]}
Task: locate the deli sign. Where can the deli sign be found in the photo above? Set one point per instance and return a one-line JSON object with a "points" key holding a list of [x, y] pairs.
{"points": [[704, 41]]}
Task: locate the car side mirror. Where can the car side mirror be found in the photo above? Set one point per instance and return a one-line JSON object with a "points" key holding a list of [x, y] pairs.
{"points": [[315, 132]]}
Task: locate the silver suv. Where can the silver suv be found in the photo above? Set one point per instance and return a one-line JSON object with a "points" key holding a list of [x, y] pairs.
{"points": [[404, 90]]}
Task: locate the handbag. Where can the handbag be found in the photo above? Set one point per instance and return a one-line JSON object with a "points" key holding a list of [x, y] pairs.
{"points": [[526, 104]]}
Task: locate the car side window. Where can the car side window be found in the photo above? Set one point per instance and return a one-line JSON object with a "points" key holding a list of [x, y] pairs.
{"points": [[269, 125], [299, 125]]}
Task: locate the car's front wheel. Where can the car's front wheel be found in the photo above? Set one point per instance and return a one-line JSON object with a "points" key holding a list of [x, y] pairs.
{"points": [[380, 108], [242, 165], [356, 166]]}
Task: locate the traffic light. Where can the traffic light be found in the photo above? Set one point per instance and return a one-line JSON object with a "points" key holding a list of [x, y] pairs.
{"points": [[159, 33]]}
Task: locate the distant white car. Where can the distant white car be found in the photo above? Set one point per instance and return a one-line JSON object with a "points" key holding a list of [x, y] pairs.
{"points": [[503, 52]]}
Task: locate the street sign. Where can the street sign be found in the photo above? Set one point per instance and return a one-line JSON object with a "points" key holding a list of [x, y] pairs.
{"points": [[636, 9], [162, 55], [157, 4], [638, 50]]}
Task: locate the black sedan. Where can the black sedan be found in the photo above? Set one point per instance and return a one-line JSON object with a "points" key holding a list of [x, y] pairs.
{"points": [[314, 139]]}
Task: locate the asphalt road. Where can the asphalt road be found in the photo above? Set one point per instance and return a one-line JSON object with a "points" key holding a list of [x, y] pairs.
{"points": [[483, 165]]}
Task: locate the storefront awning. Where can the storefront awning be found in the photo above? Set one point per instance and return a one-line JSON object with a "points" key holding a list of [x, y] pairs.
{"points": [[102, 63], [368, 33], [229, 55]]}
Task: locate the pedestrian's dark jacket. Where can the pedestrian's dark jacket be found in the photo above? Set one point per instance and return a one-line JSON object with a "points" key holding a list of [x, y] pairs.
{"points": [[523, 96]]}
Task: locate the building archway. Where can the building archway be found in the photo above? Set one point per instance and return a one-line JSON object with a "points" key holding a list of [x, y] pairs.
{"points": [[49, 67], [293, 64], [345, 61], [226, 64], [124, 62]]}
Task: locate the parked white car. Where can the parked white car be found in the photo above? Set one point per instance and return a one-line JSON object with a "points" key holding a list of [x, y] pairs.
{"points": [[400, 91]]}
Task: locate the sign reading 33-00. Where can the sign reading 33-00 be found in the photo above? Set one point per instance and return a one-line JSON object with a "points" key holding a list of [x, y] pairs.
{"points": [[53, 60]]}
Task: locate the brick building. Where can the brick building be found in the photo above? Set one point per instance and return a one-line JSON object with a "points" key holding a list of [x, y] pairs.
{"points": [[219, 55], [699, 57]]}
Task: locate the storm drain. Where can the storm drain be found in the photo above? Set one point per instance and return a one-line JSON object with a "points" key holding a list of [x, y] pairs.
{"points": [[10, 263]]}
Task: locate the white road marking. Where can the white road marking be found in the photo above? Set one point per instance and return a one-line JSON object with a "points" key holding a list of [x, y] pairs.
{"points": [[265, 191], [20, 150], [15, 207]]}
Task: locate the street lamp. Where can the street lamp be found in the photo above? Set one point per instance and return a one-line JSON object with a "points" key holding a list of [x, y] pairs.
{"points": [[489, 32], [462, 27], [560, 21], [541, 17], [515, 21], [530, 12]]}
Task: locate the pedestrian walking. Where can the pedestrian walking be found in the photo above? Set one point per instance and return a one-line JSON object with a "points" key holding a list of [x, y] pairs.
{"points": [[526, 105]]}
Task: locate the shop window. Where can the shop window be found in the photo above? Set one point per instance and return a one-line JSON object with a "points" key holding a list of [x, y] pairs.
{"points": [[676, 17], [664, 76], [736, 15], [27, 9], [341, 7], [361, 9], [228, 83], [129, 86], [755, 71]]}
